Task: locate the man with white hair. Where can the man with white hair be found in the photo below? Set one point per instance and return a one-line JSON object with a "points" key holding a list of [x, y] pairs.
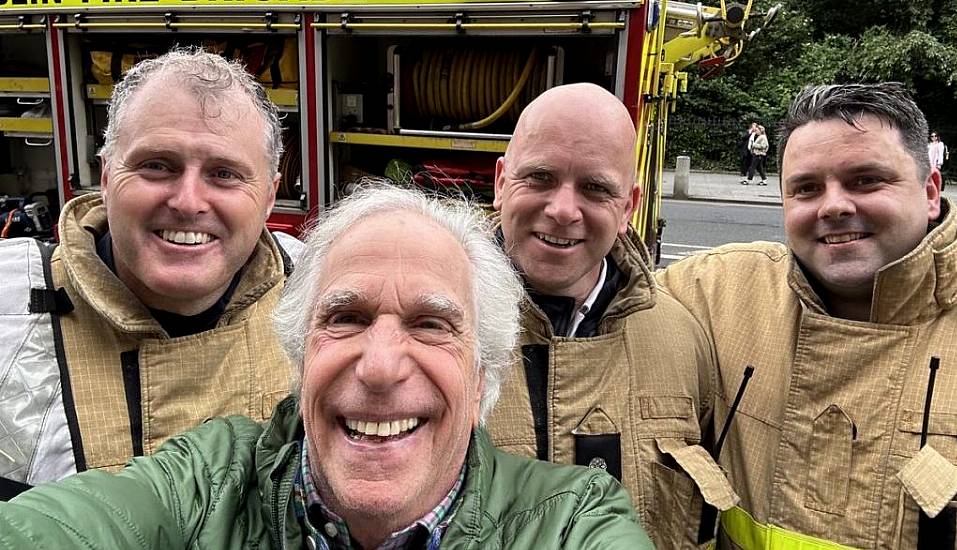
{"points": [[400, 350], [152, 313]]}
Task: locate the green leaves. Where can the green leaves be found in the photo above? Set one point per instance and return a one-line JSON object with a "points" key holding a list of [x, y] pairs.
{"points": [[820, 42]]}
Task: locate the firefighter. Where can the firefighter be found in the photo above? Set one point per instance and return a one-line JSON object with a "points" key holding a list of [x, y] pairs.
{"points": [[613, 373], [828, 447], [152, 313]]}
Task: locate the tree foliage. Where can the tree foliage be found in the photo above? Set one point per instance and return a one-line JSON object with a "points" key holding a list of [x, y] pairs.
{"points": [[821, 42]]}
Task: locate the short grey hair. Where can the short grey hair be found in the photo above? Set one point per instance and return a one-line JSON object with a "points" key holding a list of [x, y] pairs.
{"points": [[207, 76], [497, 291], [888, 101]]}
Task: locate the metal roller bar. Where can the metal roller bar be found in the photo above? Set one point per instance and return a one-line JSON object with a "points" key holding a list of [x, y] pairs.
{"points": [[15, 26], [176, 25], [470, 26]]}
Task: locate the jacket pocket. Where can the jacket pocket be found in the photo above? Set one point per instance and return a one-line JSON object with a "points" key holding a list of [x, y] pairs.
{"points": [[829, 461], [930, 481], [666, 416], [941, 432], [686, 478]]}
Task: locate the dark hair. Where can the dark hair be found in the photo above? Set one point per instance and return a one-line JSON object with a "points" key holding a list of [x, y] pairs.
{"points": [[888, 101]]}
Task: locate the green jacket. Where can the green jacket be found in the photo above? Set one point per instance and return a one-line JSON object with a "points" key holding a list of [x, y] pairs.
{"points": [[228, 484]]}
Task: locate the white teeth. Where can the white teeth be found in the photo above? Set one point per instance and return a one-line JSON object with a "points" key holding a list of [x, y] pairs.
{"points": [[382, 429], [185, 237], [845, 238], [555, 240]]}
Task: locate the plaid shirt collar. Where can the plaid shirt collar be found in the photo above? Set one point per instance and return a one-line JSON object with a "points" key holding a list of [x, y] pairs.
{"points": [[334, 534]]}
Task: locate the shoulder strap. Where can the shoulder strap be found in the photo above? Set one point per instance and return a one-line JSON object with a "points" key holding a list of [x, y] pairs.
{"points": [[62, 305]]}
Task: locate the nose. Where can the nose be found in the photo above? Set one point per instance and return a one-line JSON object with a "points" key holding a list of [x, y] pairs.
{"points": [[188, 195], [563, 206], [384, 362], [836, 202]]}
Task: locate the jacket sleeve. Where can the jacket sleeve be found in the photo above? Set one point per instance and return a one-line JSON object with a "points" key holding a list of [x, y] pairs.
{"points": [[605, 519], [162, 501]]}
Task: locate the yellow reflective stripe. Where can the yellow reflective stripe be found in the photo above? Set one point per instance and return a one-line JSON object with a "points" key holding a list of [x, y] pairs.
{"points": [[747, 533]]}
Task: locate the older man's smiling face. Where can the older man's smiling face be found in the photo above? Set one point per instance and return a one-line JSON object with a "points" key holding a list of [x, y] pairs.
{"points": [[391, 391]]}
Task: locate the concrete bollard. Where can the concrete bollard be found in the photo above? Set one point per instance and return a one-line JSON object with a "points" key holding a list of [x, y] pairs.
{"points": [[682, 176]]}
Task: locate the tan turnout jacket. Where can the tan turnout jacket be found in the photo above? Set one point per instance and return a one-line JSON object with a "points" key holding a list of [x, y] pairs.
{"points": [[122, 364], [824, 440], [647, 376]]}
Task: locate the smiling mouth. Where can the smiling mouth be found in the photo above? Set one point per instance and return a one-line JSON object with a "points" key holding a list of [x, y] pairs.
{"points": [[843, 238], [380, 432], [556, 241], [184, 237]]}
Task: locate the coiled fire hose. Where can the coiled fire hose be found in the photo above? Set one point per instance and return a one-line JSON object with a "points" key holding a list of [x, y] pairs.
{"points": [[479, 86]]}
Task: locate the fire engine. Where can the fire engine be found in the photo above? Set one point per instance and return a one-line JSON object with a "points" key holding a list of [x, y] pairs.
{"points": [[416, 91]]}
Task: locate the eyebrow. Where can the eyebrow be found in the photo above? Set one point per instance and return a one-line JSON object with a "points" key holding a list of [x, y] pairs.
{"points": [[148, 150], [440, 306], [854, 169], [336, 300], [430, 304]]}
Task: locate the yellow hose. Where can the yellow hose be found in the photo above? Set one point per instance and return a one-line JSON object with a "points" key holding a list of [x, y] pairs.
{"points": [[468, 89]]}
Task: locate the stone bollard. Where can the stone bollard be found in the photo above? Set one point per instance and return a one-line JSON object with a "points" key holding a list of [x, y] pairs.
{"points": [[682, 176]]}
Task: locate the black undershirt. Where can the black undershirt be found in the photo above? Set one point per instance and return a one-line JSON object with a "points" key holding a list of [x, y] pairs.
{"points": [[560, 310], [174, 324]]}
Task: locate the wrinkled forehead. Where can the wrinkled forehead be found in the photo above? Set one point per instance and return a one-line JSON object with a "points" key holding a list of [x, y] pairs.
{"points": [[405, 253]]}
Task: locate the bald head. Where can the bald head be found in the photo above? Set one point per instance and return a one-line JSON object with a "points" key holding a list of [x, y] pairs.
{"points": [[566, 187], [586, 106]]}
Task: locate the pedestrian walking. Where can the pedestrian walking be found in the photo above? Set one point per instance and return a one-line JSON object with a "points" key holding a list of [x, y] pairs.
{"points": [[759, 152], [937, 153], [744, 149]]}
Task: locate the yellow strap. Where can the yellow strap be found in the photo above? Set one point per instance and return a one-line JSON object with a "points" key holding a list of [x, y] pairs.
{"points": [[751, 535]]}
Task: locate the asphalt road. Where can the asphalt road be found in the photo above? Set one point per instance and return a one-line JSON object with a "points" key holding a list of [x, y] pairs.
{"points": [[698, 225]]}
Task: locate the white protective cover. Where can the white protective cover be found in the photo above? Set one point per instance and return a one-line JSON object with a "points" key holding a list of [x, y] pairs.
{"points": [[35, 444]]}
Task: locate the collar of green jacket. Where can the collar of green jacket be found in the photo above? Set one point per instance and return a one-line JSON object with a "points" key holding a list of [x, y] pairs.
{"points": [[83, 220], [502, 493], [911, 290]]}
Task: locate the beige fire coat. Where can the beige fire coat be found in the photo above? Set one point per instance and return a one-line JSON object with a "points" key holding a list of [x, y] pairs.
{"points": [[822, 448], [115, 384], [634, 398]]}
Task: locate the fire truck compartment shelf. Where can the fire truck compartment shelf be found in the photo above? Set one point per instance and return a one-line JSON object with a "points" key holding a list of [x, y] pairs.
{"points": [[42, 127], [285, 98], [420, 142], [24, 87]]}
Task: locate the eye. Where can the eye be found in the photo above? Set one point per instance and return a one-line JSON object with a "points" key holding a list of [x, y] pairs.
{"points": [[225, 174], [432, 324], [346, 318], [155, 166], [597, 189], [804, 189], [539, 177], [864, 181]]}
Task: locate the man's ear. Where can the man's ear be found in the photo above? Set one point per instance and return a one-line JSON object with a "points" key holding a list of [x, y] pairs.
{"points": [[932, 188], [477, 405], [634, 199], [272, 194], [104, 176], [499, 183]]}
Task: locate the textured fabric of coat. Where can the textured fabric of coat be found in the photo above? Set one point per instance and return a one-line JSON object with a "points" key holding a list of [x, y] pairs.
{"points": [[830, 424], [124, 370], [646, 378], [229, 484]]}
